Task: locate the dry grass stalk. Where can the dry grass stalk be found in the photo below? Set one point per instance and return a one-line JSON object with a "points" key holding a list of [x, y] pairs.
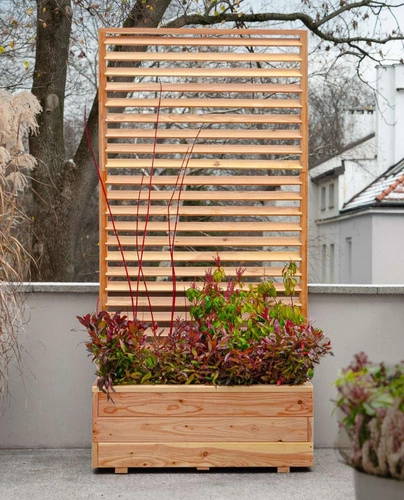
{"points": [[17, 120]]}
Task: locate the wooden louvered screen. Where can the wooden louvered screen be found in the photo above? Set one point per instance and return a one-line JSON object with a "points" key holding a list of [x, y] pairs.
{"points": [[244, 194]]}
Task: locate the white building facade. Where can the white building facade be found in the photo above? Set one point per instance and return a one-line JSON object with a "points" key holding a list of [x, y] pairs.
{"points": [[356, 234]]}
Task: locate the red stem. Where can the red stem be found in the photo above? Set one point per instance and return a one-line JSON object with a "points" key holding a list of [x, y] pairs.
{"points": [[182, 171], [140, 270], [154, 325]]}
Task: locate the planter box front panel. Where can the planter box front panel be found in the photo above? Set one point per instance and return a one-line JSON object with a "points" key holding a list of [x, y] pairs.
{"points": [[203, 426]]}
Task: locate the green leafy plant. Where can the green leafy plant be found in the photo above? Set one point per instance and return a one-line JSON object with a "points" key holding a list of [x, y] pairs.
{"points": [[237, 336], [245, 314], [371, 402]]}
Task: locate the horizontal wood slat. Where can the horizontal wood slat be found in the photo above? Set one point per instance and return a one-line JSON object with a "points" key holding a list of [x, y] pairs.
{"points": [[199, 180], [207, 256], [195, 42], [199, 211], [266, 390], [251, 241], [192, 272], [124, 194], [242, 118], [228, 149], [207, 226], [205, 455], [267, 88], [162, 315], [166, 286], [280, 404], [204, 72], [204, 56], [270, 33], [203, 103], [203, 134], [216, 163], [249, 429]]}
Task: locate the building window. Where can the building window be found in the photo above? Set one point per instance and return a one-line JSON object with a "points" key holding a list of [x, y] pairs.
{"points": [[331, 190], [332, 263], [322, 202], [324, 263], [348, 259]]}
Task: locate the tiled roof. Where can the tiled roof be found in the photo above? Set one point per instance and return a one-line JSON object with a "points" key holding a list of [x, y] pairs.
{"points": [[388, 189]]}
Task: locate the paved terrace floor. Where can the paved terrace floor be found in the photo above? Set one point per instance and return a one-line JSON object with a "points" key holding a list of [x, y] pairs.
{"points": [[67, 475]]}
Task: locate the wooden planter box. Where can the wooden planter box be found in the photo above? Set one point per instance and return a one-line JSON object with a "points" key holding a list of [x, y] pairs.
{"points": [[203, 427]]}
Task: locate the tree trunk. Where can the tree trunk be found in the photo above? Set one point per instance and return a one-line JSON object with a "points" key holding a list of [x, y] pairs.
{"points": [[52, 198], [61, 188]]}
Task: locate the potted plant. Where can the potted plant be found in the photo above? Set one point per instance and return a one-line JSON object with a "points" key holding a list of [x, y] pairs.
{"points": [[230, 387], [371, 402]]}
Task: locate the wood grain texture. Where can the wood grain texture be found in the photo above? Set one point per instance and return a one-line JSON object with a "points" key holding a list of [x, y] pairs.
{"points": [[253, 130], [204, 72], [228, 149], [213, 454], [202, 404], [102, 140], [204, 426], [217, 241], [192, 271], [240, 88], [196, 42], [200, 31], [205, 103], [201, 429], [217, 118], [247, 256], [203, 134], [260, 389], [218, 163], [207, 180], [214, 227], [204, 56]]}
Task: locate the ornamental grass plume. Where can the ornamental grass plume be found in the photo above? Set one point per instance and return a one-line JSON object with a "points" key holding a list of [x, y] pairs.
{"points": [[17, 120]]}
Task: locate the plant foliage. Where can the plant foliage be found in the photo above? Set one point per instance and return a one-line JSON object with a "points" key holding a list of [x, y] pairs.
{"points": [[238, 335], [371, 400]]}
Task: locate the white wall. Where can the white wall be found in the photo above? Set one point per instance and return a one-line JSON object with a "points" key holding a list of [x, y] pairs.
{"points": [[389, 121], [358, 123], [51, 402], [388, 245], [359, 229]]}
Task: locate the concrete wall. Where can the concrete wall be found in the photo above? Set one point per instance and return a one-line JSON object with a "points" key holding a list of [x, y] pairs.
{"points": [[50, 403]]}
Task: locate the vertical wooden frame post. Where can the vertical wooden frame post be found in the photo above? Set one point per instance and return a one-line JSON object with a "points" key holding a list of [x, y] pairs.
{"points": [[102, 132], [304, 172]]}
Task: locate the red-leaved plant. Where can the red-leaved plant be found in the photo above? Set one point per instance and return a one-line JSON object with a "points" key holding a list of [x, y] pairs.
{"points": [[237, 336], [371, 405]]}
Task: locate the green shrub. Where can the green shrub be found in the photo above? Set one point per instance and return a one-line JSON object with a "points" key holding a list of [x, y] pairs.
{"points": [[238, 335]]}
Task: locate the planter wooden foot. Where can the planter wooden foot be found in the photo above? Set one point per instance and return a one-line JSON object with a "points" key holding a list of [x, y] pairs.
{"points": [[283, 469], [121, 470], [203, 468]]}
